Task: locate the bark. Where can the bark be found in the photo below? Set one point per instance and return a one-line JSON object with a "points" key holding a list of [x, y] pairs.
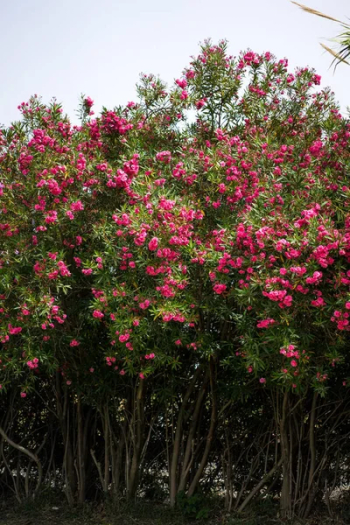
{"points": [[285, 502], [28, 453], [173, 474], [63, 414], [189, 452], [81, 453], [210, 436], [107, 436], [137, 431], [311, 483], [261, 483]]}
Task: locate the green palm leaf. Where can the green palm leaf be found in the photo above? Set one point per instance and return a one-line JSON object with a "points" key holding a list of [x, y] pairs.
{"points": [[343, 40]]}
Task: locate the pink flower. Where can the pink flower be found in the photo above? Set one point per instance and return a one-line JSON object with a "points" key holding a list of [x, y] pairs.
{"points": [[262, 380], [265, 323], [23, 394], [88, 102], [293, 363], [219, 288], [181, 83], [184, 95], [14, 330], [200, 103], [316, 79], [178, 342], [145, 304], [63, 269], [141, 375], [315, 279], [318, 302], [153, 244], [77, 206], [51, 216], [33, 364], [98, 314], [140, 238], [74, 342], [164, 156]]}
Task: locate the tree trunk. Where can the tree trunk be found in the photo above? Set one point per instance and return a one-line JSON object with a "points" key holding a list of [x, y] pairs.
{"points": [[137, 433], [210, 436], [81, 453], [173, 474], [285, 502], [68, 459]]}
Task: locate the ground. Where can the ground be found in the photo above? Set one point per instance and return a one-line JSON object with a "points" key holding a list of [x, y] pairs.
{"points": [[58, 513]]}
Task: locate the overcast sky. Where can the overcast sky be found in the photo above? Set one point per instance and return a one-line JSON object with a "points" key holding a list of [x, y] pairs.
{"points": [[62, 48]]}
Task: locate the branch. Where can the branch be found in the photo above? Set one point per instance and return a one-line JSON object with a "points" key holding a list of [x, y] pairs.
{"points": [[28, 453]]}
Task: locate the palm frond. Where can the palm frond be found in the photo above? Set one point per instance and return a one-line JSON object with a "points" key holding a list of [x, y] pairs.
{"points": [[337, 56], [317, 13], [343, 39]]}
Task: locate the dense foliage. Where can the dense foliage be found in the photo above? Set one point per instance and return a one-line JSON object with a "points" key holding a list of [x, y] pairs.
{"points": [[175, 301]]}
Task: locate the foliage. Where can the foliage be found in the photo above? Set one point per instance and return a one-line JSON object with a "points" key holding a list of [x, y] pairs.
{"points": [[158, 270], [342, 40], [193, 507]]}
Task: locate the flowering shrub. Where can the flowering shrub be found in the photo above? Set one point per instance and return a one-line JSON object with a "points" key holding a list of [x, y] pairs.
{"points": [[138, 240], [111, 240]]}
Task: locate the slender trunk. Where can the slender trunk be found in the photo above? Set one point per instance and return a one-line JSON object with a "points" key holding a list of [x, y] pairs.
{"points": [[173, 474], [117, 463], [68, 459], [107, 447], [28, 453], [261, 483], [311, 483], [81, 453], [189, 452], [210, 436], [138, 431], [285, 501]]}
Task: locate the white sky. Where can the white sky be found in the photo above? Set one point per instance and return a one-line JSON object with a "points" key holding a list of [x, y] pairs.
{"points": [[63, 48]]}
